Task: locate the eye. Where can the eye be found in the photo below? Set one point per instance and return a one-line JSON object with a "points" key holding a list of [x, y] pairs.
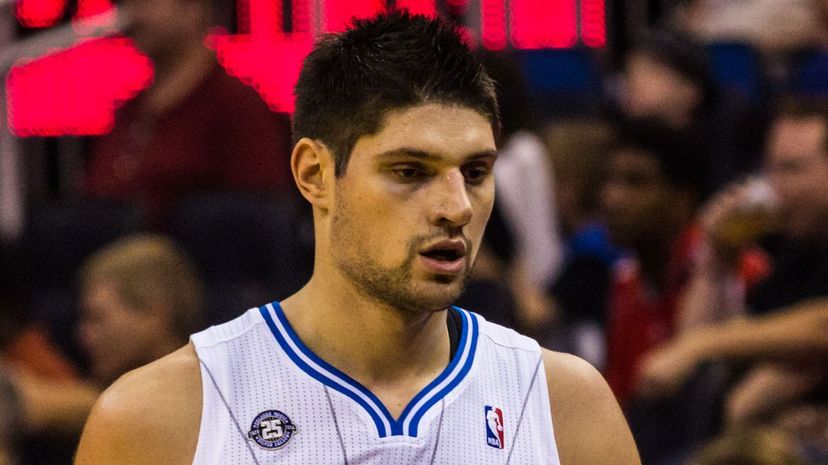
{"points": [[476, 173], [408, 172]]}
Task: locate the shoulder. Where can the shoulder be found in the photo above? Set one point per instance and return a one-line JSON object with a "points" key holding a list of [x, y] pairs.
{"points": [[589, 426], [505, 337], [150, 415]]}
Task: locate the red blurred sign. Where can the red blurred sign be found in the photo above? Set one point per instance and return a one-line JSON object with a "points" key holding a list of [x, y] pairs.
{"points": [[76, 91]]}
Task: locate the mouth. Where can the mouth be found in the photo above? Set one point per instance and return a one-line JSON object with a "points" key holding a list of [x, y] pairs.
{"points": [[445, 257]]}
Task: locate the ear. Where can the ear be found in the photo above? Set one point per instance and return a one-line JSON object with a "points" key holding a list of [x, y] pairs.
{"points": [[311, 162]]}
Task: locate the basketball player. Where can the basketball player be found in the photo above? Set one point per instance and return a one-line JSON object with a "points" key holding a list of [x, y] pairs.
{"points": [[369, 363]]}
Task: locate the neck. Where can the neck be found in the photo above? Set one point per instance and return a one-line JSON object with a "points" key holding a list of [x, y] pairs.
{"points": [[377, 344], [176, 75]]}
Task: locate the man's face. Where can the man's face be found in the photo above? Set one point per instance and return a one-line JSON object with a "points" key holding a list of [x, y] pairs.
{"points": [[797, 167], [654, 90], [411, 208], [635, 197], [158, 26], [115, 337]]}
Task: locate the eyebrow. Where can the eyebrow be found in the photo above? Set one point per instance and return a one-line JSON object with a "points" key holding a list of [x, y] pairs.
{"points": [[428, 156]]}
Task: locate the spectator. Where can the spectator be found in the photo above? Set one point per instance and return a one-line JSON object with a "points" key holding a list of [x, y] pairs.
{"points": [[27, 353], [668, 77], [578, 149], [141, 295], [194, 129], [784, 340], [772, 26], [797, 166], [655, 181], [141, 300]]}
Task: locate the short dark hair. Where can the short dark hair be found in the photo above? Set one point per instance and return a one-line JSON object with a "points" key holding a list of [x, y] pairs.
{"points": [[684, 164], [350, 81], [147, 269]]}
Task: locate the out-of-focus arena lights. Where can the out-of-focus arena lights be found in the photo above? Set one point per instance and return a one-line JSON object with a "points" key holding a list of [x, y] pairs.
{"points": [[39, 13], [493, 24], [88, 8], [337, 14], [544, 24], [46, 13], [303, 14], [421, 7], [75, 91], [271, 67], [259, 18], [593, 23]]}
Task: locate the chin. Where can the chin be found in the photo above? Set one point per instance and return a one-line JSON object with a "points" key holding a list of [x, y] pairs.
{"points": [[442, 292]]}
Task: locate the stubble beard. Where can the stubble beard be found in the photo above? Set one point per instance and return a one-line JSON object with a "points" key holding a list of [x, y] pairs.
{"points": [[393, 286]]}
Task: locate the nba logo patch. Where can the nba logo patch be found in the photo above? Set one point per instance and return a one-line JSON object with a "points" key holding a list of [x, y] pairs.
{"points": [[494, 427]]}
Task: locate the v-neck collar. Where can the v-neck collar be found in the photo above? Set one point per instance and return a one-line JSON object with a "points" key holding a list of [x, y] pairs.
{"points": [[327, 374]]}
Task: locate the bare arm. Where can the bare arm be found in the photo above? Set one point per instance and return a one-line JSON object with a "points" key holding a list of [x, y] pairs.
{"points": [[589, 426], [149, 416], [800, 331]]}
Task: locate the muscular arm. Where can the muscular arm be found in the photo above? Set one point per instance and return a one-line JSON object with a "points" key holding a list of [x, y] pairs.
{"points": [[149, 416], [589, 426]]}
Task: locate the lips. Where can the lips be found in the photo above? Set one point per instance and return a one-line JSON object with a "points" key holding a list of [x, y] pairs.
{"points": [[445, 257]]}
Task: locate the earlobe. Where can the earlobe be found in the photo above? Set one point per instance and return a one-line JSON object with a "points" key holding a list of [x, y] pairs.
{"points": [[309, 162]]}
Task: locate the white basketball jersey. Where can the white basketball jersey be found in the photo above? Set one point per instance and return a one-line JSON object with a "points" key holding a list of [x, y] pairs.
{"points": [[267, 399]]}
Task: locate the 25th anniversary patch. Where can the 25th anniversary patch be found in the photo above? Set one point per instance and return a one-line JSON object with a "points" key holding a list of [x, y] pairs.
{"points": [[271, 429]]}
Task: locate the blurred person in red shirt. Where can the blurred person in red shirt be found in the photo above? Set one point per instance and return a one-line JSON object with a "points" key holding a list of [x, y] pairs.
{"points": [[789, 304], [195, 128], [655, 180]]}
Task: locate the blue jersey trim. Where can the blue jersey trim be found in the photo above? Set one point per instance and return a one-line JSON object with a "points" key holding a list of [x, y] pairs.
{"points": [[319, 376], [461, 346], [415, 421], [375, 408]]}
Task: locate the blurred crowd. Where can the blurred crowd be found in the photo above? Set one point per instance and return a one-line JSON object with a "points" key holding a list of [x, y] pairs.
{"points": [[671, 227]]}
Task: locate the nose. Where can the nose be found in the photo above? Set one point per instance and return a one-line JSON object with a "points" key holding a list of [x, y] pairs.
{"points": [[611, 196], [452, 206]]}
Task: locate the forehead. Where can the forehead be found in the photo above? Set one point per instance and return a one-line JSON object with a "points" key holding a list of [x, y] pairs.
{"points": [[100, 293], [633, 160], [646, 65], [438, 129], [798, 137]]}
